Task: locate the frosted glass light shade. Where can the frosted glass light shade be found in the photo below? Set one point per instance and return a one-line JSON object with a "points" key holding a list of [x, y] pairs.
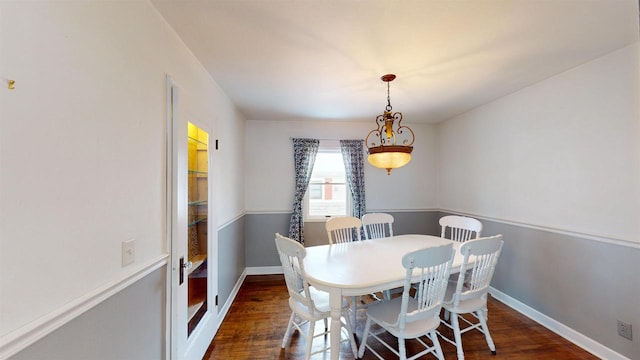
{"points": [[389, 157]]}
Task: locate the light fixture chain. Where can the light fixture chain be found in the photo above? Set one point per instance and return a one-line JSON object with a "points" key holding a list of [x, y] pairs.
{"points": [[388, 98]]}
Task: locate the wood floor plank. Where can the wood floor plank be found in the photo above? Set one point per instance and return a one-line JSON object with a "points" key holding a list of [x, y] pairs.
{"points": [[256, 322]]}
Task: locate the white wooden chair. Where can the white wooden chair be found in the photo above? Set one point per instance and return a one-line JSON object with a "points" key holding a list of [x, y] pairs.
{"points": [[377, 225], [308, 305], [343, 229], [410, 317], [468, 295], [461, 228]]}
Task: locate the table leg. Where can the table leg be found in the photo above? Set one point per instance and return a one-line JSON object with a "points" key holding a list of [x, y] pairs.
{"points": [[335, 302]]}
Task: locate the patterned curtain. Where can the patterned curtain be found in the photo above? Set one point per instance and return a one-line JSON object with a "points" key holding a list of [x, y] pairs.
{"points": [[352, 151], [304, 155]]}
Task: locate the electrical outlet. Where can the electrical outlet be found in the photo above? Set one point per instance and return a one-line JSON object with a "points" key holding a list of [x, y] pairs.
{"points": [[624, 330], [128, 252]]}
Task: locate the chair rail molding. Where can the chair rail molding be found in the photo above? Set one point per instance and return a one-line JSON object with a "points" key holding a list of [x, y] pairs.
{"points": [[21, 338], [592, 237]]}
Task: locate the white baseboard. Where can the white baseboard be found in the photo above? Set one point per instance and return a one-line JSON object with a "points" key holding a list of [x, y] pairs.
{"points": [[222, 313], [566, 332], [264, 270]]}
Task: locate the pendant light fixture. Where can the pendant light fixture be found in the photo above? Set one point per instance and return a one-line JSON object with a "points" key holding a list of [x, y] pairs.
{"points": [[390, 144]]}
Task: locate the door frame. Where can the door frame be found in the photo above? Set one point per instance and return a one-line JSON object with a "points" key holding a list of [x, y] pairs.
{"points": [[179, 346]]}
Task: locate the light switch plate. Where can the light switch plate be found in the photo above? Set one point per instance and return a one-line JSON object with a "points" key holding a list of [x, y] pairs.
{"points": [[128, 252]]}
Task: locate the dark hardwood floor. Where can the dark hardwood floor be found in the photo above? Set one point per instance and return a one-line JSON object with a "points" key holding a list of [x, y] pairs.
{"points": [[257, 320]]}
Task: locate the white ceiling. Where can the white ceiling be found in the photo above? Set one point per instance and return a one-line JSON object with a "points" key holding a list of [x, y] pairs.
{"points": [[297, 59]]}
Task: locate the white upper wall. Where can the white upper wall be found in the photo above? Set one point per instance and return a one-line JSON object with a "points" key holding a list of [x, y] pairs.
{"points": [[270, 172], [563, 153], [82, 146]]}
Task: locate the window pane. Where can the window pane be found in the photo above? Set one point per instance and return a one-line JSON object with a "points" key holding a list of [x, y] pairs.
{"points": [[327, 189], [332, 203], [315, 191]]}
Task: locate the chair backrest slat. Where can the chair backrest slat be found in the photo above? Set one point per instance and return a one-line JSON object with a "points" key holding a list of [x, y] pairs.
{"points": [[377, 225], [343, 229], [461, 228], [428, 268], [292, 255], [480, 259]]}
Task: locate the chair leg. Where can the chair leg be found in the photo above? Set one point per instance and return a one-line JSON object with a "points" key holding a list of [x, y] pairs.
{"points": [[312, 325], [436, 343], [402, 349], [352, 338], [365, 334], [456, 333], [288, 332], [485, 329]]}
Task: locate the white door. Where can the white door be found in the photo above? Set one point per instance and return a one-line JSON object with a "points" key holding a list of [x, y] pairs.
{"points": [[192, 240]]}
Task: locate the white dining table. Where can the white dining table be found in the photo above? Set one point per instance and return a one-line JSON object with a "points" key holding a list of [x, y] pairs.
{"points": [[364, 267]]}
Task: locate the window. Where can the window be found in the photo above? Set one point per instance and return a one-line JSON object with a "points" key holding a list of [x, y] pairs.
{"points": [[327, 194]]}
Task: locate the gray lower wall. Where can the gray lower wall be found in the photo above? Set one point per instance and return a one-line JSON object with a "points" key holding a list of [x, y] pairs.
{"points": [[261, 229], [584, 284], [129, 325], [423, 222], [231, 257]]}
